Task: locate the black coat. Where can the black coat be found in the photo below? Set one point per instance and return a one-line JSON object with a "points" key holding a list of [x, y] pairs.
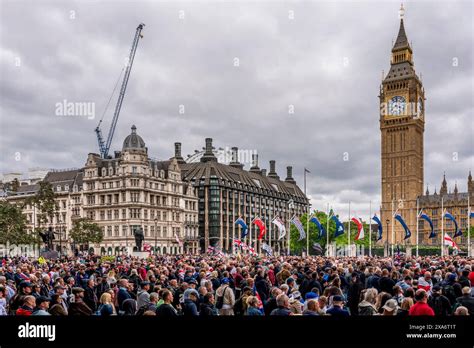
{"points": [[468, 302], [386, 284], [166, 311]]}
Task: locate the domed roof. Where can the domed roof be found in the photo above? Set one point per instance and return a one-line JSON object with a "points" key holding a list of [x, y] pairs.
{"points": [[133, 141]]}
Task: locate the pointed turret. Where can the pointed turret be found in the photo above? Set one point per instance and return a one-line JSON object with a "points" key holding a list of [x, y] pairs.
{"points": [[455, 188], [470, 184], [444, 186], [427, 191], [402, 41]]}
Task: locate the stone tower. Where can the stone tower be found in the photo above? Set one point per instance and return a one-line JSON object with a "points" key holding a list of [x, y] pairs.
{"points": [[402, 126]]}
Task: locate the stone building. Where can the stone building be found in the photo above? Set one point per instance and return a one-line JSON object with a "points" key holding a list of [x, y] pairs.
{"points": [[227, 192], [121, 194]]}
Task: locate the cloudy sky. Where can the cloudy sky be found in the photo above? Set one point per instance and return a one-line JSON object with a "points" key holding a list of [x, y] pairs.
{"points": [[236, 69]]}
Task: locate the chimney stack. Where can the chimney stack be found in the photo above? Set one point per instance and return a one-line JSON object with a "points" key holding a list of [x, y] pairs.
{"points": [[255, 168], [272, 173], [177, 153], [289, 175], [208, 154], [235, 158], [264, 172]]}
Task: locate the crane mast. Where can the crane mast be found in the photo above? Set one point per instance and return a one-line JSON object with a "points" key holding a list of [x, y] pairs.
{"points": [[104, 146]]}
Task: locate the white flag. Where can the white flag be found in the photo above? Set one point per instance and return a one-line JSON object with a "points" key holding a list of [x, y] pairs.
{"points": [[281, 227]]}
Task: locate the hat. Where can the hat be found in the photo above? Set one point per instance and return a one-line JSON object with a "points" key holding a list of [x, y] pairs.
{"points": [[25, 284], [452, 277], [390, 305], [225, 280], [337, 298], [77, 290], [42, 299], [289, 280], [193, 281], [436, 288], [310, 295], [189, 292]]}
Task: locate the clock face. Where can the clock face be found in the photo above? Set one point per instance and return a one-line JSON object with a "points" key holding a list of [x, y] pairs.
{"points": [[420, 107], [396, 106]]}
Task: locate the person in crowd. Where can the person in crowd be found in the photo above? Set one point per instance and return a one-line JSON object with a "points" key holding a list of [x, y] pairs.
{"points": [[390, 308], [466, 300], [207, 307], [42, 306], [421, 306], [461, 310], [438, 302], [166, 309], [225, 298], [77, 305], [312, 308], [405, 307], [27, 306], [252, 306], [367, 306], [337, 309], [106, 307], [283, 306]]}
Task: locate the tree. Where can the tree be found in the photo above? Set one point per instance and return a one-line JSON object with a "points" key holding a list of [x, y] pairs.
{"points": [[297, 246], [13, 225], [44, 201], [84, 231]]}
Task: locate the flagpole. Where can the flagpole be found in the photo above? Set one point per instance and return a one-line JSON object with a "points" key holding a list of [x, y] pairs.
{"points": [[327, 233], [417, 227], [393, 226], [370, 229], [349, 232], [288, 234], [468, 226], [442, 226], [307, 217]]}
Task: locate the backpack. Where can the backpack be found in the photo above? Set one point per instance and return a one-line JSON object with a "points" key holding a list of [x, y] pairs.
{"points": [[220, 300]]}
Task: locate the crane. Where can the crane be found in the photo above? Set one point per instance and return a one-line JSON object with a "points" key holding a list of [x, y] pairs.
{"points": [[104, 146]]}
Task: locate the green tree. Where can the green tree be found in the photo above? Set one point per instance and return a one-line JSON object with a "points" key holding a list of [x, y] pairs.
{"points": [[84, 231], [13, 225], [296, 246], [44, 202]]}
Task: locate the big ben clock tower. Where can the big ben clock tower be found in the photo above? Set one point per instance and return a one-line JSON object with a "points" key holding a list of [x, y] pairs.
{"points": [[402, 126]]}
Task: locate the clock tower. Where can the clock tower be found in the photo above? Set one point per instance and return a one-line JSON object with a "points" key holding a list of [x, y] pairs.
{"points": [[402, 123]]}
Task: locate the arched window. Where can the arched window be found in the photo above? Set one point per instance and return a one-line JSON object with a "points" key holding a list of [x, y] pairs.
{"points": [[109, 251], [164, 250]]}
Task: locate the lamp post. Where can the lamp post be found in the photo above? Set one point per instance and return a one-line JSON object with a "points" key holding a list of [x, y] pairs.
{"points": [[386, 241]]}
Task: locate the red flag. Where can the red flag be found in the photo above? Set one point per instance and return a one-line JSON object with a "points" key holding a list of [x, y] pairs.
{"points": [[360, 228], [261, 226]]}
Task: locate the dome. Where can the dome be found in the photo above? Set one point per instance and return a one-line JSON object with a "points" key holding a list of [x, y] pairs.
{"points": [[133, 141]]}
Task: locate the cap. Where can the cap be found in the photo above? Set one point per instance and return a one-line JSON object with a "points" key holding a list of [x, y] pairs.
{"points": [[436, 288], [41, 299], [193, 281], [77, 290], [225, 280], [337, 298], [25, 284], [390, 305], [310, 295]]}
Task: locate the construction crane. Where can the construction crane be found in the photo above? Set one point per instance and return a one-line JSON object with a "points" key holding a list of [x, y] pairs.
{"points": [[104, 146]]}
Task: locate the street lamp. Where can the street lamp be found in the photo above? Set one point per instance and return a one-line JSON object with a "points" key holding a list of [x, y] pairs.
{"points": [[386, 241]]}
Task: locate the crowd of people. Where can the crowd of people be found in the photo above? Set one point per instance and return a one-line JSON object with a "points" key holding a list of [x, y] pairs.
{"points": [[242, 285]]}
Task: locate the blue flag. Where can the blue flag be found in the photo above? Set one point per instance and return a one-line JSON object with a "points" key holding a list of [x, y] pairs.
{"points": [[322, 231], [379, 226], [458, 231], [242, 224], [399, 218], [339, 226], [426, 217], [471, 215]]}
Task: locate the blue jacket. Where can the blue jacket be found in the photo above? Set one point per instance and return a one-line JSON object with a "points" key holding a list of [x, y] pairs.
{"points": [[189, 308], [337, 311], [252, 311], [122, 295]]}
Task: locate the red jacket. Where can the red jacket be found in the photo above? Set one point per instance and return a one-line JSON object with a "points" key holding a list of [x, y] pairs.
{"points": [[25, 311], [421, 308]]}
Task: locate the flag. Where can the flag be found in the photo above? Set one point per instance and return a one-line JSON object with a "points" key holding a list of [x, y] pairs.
{"points": [[339, 226], [237, 242], [457, 231], [244, 226], [399, 218], [281, 227], [360, 228], [379, 226], [307, 171], [261, 226], [177, 240], [267, 248], [449, 241], [41, 260], [259, 299], [322, 231], [299, 226], [146, 247], [427, 218], [317, 247], [210, 249], [471, 215]]}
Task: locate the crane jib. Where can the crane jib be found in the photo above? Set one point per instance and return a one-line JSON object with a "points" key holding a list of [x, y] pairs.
{"points": [[104, 147]]}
